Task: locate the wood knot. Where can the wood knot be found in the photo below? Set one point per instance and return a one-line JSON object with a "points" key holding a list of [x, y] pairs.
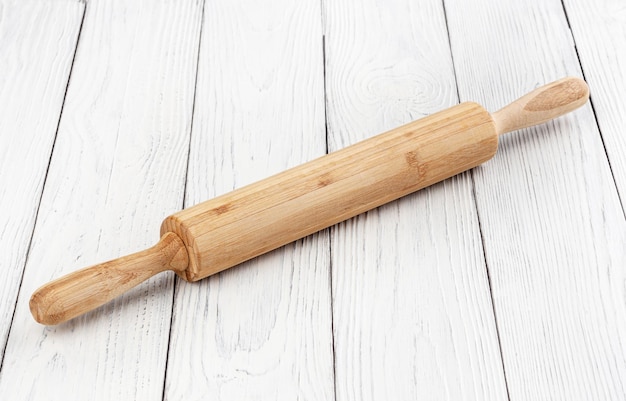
{"points": [[222, 209], [324, 180], [412, 159]]}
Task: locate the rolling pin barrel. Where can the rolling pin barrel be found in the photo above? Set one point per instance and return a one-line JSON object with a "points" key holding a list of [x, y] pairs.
{"points": [[232, 228], [255, 219]]}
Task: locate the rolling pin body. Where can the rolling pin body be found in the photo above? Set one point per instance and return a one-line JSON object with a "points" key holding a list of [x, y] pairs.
{"points": [[232, 228], [225, 231]]}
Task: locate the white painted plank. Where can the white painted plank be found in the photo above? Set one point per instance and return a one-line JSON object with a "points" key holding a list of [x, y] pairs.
{"points": [[117, 169], [412, 311], [554, 231], [37, 43], [599, 28], [261, 330]]}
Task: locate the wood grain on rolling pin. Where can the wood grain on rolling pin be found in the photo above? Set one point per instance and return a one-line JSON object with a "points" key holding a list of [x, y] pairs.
{"points": [[308, 198], [238, 226]]}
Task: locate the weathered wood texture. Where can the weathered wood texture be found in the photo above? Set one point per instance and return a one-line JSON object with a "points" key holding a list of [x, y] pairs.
{"points": [[37, 43], [553, 228], [117, 168], [412, 313], [261, 330], [413, 316], [599, 29]]}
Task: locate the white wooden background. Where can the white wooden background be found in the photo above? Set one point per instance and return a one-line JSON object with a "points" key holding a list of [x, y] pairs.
{"points": [[507, 282]]}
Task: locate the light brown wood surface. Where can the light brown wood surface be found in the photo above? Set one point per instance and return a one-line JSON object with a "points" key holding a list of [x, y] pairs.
{"points": [[542, 104], [88, 288], [238, 226]]}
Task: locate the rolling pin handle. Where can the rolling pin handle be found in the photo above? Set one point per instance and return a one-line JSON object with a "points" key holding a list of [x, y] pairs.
{"points": [[542, 104], [86, 289]]}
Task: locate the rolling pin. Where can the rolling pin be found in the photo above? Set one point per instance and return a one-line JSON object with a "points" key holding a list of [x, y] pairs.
{"points": [[225, 231]]}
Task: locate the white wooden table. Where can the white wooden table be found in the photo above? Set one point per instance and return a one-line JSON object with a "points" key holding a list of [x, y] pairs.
{"points": [[504, 283]]}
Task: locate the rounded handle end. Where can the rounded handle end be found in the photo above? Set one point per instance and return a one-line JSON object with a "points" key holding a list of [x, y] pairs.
{"points": [[543, 104], [81, 291], [40, 313]]}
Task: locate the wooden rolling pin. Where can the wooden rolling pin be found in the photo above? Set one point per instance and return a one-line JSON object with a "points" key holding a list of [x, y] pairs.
{"points": [[225, 231]]}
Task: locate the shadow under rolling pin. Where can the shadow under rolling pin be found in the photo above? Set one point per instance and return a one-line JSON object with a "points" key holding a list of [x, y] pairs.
{"points": [[225, 231]]}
